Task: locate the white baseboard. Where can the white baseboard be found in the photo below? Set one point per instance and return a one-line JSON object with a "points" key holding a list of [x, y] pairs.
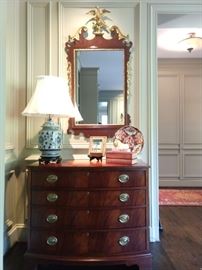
{"points": [[17, 233], [154, 234]]}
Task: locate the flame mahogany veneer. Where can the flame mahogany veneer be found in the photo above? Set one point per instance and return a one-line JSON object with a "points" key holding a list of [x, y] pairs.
{"points": [[83, 213]]}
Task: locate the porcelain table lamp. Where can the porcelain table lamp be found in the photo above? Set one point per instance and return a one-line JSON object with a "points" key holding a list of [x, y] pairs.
{"points": [[51, 98]]}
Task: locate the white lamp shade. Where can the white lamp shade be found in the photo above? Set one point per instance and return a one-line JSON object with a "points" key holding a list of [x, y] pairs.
{"points": [[51, 97]]}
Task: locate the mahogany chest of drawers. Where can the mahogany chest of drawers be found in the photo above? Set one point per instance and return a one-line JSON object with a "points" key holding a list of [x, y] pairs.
{"points": [[88, 214]]}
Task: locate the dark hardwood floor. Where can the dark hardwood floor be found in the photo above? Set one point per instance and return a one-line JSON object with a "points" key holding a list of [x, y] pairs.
{"points": [[180, 247]]}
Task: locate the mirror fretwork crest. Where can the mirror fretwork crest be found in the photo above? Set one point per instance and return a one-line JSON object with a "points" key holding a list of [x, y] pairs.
{"points": [[98, 77]]}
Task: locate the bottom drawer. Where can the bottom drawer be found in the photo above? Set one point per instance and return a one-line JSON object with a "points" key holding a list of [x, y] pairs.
{"points": [[99, 243]]}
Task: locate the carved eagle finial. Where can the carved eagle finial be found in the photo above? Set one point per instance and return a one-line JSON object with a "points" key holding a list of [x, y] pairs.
{"points": [[98, 20]]}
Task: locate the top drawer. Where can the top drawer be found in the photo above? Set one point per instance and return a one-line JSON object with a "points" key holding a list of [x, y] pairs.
{"points": [[88, 179]]}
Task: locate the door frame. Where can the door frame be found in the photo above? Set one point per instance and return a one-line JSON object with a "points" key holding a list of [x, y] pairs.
{"points": [[154, 9]]}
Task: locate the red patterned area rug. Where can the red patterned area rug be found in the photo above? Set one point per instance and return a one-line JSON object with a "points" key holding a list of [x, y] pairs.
{"points": [[183, 197]]}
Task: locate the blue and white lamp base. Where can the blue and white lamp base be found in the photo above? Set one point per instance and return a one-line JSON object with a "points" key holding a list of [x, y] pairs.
{"points": [[50, 142]]}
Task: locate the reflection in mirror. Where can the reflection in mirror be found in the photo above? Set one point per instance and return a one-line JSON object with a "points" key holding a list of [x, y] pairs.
{"points": [[100, 86]]}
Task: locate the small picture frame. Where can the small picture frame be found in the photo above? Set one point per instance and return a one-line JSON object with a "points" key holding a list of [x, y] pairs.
{"points": [[97, 147]]}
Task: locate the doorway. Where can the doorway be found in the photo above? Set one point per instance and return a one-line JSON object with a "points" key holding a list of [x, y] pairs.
{"points": [[180, 99]]}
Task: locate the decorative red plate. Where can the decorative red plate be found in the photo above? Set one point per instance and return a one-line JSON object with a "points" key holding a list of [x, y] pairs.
{"points": [[131, 137]]}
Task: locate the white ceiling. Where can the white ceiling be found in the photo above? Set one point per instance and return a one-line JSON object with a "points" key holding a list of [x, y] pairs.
{"points": [[174, 27]]}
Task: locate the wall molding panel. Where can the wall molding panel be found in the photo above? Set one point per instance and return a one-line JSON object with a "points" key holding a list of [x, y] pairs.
{"points": [[192, 164], [12, 71], [169, 107], [169, 164], [38, 56], [180, 90], [192, 108]]}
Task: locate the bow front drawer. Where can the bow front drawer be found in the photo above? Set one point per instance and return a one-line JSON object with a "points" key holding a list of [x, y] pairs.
{"points": [[91, 198], [92, 243], [59, 218], [87, 179]]}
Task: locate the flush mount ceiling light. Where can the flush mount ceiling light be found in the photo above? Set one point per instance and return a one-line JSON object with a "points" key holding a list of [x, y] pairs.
{"points": [[191, 42]]}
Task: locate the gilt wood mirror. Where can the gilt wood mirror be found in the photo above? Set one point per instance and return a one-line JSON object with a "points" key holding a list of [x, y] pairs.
{"points": [[98, 77]]}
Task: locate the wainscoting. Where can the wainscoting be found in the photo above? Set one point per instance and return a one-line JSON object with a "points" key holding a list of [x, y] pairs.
{"points": [[180, 122]]}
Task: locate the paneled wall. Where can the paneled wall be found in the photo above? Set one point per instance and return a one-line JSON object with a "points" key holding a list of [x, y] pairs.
{"points": [[49, 23], [180, 122], [36, 34], [14, 200]]}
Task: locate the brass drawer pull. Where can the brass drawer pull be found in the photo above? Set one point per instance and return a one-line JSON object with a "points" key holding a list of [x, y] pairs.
{"points": [[52, 218], [52, 197], [124, 218], [52, 178], [124, 197], [52, 240], [124, 240], [123, 178]]}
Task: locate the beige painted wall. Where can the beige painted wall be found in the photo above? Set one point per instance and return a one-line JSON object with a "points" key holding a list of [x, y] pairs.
{"points": [[15, 91]]}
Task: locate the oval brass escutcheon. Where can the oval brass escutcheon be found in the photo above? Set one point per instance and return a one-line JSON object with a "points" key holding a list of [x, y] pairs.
{"points": [[52, 218], [52, 240], [52, 197], [123, 178], [124, 197], [124, 218], [52, 178], [124, 240]]}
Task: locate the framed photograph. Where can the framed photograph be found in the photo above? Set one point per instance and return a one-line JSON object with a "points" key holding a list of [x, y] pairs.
{"points": [[97, 146]]}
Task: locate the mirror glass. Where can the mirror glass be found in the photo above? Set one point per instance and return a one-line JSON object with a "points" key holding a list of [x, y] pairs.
{"points": [[100, 86]]}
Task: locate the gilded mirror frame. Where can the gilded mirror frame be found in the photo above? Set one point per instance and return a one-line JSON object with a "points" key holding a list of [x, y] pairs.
{"points": [[80, 41]]}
